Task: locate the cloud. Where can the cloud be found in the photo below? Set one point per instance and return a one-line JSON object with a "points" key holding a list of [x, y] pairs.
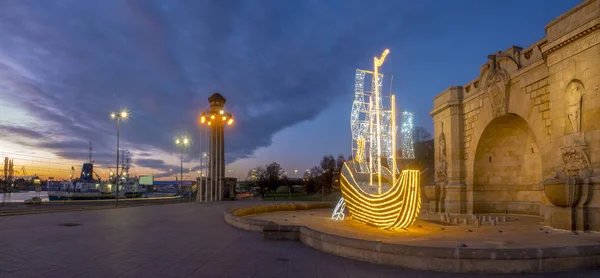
{"points": [[277, 62], [6, 131], [152, 163]]}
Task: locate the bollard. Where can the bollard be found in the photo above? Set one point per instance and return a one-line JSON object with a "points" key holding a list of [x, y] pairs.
{"points": [[497, 219], [443, 218], [493, 222], [478, 220], [455, 220], [503, 218], [466, 221]]}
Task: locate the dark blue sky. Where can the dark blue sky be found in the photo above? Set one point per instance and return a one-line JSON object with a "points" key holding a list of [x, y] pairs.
{"points": [[286, 68]]}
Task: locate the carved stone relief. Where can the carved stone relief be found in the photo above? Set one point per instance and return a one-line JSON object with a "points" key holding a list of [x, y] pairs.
{"points": [[574, 96], [575, 161], [441, 175], [496, 87]]}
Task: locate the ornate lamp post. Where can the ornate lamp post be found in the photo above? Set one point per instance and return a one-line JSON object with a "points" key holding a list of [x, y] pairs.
{"points": [[123, 115]]}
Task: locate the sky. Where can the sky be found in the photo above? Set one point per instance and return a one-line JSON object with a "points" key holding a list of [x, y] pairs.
{"points": [[286, 69]]}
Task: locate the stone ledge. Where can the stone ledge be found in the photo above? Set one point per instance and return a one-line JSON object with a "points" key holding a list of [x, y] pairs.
{"points": [[271, 230], [445, 259], [457, 260]]}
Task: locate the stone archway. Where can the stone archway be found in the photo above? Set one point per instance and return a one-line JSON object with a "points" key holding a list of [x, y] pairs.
{"points": [[507, 169]]}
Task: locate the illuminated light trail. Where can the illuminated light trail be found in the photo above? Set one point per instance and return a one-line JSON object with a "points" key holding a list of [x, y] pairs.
{"points": [[374, 141]]}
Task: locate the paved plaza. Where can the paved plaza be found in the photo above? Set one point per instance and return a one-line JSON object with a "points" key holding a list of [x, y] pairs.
{"points": [[184, 240]]}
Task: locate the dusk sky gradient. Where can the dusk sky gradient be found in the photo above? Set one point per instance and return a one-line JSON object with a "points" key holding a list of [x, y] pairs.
{"points": [[285, 67]]}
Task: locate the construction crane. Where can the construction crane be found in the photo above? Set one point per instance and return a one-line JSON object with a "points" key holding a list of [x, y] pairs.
{"points": [[22, 173], [97, 176]]}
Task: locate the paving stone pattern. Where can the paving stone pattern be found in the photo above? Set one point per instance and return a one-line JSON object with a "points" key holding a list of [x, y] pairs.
{"points": [[184, 240]]}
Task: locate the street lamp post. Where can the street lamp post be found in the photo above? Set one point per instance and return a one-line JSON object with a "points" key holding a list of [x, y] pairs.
{"points": [[118, 116], [182, 143]]}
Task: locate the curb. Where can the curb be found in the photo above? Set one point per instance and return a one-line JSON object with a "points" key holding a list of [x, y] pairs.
{"points": [[443, 259]]}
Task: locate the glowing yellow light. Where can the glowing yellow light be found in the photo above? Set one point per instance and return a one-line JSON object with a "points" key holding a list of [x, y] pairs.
{"points": [[202, 119], [208, 123], [113, 115], [224, 118], [185, 141], [212, 117], [399, 206], [359, 157], [230, 122], [396, 209], [177, 141], [393, 104], [377, 62], [221, 112], [124, 114]]}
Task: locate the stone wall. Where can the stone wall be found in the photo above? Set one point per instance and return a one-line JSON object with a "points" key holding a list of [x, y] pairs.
{"points": [[535, 112]]}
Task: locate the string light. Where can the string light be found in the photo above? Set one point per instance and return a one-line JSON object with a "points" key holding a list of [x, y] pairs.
{"points": [[338, 212], [396, 209], [407, 138], [374, 141]]}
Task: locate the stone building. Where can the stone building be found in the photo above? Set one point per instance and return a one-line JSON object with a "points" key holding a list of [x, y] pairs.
{"points": [[524, 136]]}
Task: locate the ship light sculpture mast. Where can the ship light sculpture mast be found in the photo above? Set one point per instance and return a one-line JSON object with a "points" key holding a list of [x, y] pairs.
{"points": [[378, 62], [374, 142]]}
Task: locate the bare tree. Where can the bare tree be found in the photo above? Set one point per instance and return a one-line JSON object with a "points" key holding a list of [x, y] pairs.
{"points": [[328, 164], [340, 162], [313, 180], [274, 173], [260, 179], [420, 134], [5, 174]]}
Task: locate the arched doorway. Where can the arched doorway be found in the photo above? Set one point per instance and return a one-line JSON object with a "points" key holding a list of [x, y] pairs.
{"points": [[507, 168]]}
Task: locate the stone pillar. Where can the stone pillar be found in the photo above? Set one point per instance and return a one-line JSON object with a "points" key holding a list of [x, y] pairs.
{"points": [[217, 146], [449, 152]]}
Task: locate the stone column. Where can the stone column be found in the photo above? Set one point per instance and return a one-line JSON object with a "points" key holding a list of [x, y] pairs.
{"points": [[449, 163], [217, 146]]}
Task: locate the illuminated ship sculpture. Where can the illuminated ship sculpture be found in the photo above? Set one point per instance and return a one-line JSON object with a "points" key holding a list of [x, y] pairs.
{"points": [[374, 191]]}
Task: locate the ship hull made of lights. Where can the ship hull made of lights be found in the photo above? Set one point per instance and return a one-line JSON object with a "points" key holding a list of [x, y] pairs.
{"points": [[397, 208]]}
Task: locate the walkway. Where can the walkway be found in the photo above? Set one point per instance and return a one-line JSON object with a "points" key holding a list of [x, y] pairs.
{"points": [[184, 240]]}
